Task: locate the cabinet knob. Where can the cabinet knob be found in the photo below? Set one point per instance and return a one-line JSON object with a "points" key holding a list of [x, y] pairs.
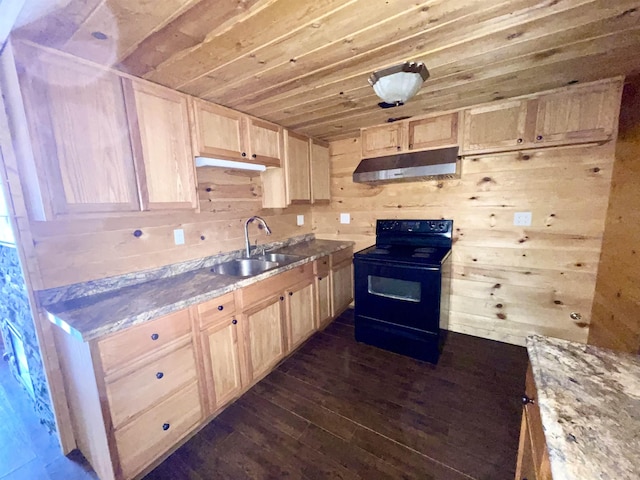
{"points": [[137, 233], [159, 375], [165, 426], [155, 336], [398, 147], [254, 156], [319, 278], [519, 140], [220, 307], [281, 298], [290, 294], [244, 154], [539, 137], [234, 321], [208, 189], [526, 400], [411, 145]]}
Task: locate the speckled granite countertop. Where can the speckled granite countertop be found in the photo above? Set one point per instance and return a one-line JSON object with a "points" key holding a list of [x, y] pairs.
{"points": [[93, 310], [589, 402]]}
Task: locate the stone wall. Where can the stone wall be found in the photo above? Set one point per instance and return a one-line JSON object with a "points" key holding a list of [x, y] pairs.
{"points": [[14, 308]]}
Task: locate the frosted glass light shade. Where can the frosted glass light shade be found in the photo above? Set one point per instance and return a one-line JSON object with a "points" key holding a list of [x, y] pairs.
{"points": [[397, 84]]}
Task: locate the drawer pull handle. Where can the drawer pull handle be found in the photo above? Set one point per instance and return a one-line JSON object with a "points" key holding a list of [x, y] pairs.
{"points": [[526, 400], [155, 336], [165, 426], [234, 321], [220, 307], [159, 375]]}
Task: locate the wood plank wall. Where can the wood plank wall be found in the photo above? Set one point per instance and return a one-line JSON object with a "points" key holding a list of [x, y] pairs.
{"points": [[616, 309], [71, 251], [508, 282]]}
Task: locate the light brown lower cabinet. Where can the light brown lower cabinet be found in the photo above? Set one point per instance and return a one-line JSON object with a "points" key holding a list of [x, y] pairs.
{"points": [[264, 338], [222, 356], [301, 313], [533, 457], [135, 394], [322, 271]]}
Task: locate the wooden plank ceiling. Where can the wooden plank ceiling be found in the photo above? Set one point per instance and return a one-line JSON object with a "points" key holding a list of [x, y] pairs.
{"points": [[304, 63]]}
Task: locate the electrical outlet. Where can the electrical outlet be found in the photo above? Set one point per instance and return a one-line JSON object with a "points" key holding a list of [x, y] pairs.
{"points": [[178, 236], [300, 220], [522, 219], [345, 218]]}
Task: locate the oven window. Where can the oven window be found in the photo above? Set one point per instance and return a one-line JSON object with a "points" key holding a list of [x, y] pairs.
{"points": [[394, 288]]}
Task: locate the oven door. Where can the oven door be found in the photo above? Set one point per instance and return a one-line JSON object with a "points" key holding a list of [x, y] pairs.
{"points": [[407, 295]]}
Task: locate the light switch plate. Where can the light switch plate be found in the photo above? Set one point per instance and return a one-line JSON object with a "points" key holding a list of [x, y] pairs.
{"points": [[178, 236], [345, 218], [522, 219], [300, 220]]}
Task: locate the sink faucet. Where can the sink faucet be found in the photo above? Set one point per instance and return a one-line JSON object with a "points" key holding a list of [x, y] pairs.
{"points": [[246, 232]]}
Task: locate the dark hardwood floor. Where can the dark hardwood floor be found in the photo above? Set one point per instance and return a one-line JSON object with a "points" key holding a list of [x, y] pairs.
{"points": [[342, 410], [336, 409], [27, 450]]}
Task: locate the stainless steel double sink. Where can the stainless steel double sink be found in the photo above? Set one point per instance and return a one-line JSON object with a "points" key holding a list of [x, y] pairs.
{"points": [[248, 267]]}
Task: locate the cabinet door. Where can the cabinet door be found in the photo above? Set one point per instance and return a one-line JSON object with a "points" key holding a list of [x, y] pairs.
{"points": [[222, 362], [159, 123], [383, 139], [264, 336], [342, 287], [433, 132], [320, 177], [265, 142], [78, 125], [297, 171], [323, 287], [301, 313], [218, 132], [496, 127], [581, 114]]}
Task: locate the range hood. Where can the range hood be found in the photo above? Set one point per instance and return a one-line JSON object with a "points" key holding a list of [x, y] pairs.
{"points": [[408, 167]]}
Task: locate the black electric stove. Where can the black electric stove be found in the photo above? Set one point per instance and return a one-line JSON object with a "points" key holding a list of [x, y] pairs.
{"points": [[401, 287]]}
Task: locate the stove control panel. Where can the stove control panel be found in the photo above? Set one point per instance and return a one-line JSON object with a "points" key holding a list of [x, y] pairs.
{"points": [[415, 226]]}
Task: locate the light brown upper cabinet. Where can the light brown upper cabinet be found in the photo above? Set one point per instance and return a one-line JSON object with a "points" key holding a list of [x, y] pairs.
{"points": [[265, 141], [382, 140], [320, 176], [159, 125], [220, 132], [434, 131], [78, 126], [575, 114], [585, 113], [496, 126], [297, 166]]}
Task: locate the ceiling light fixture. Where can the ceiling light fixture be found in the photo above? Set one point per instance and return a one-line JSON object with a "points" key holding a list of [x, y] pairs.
{"points": [[397, 84]]}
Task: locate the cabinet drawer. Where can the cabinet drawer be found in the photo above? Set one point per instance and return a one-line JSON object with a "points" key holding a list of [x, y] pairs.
{"points": [[121, 348], [213, 310], [321, 266], [149, 384], [340, 256], [276, 284], [154, 432]]}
